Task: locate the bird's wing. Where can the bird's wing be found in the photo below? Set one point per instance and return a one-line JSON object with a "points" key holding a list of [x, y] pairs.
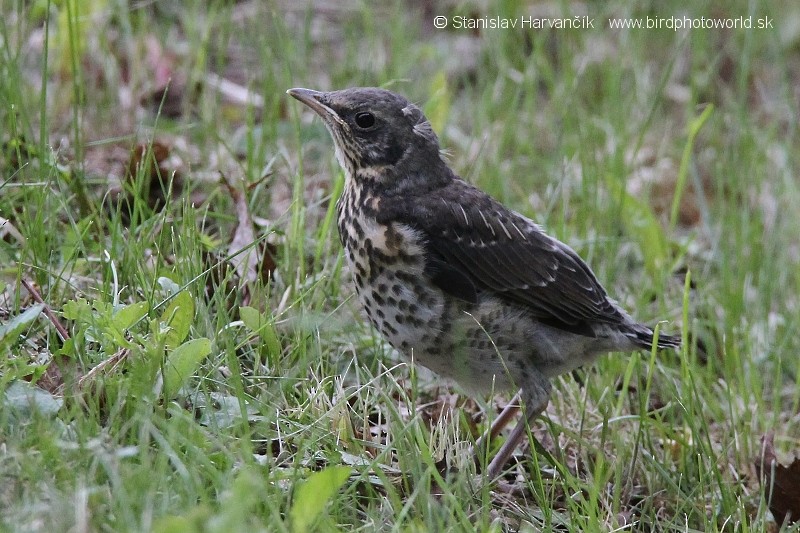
{"points": [[474, 243]]}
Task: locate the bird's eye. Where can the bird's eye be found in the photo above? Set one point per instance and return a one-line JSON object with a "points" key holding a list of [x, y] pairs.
{"points": [[365, 120]]}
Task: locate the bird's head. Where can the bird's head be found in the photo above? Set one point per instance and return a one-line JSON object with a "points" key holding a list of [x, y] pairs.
{"points": [[379, 135]]}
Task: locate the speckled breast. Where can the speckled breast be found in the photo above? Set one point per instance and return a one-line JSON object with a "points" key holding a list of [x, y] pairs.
{"points": [[444, 334], [388, 262]]}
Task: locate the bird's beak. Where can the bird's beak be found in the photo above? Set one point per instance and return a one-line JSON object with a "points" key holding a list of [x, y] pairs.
{"points": [[314, 100]]}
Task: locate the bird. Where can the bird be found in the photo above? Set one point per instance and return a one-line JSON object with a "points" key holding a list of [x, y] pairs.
{"points": [[453, 279]]}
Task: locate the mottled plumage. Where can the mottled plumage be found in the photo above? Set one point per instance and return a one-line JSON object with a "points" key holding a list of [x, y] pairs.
{"points": [[452, 278]]}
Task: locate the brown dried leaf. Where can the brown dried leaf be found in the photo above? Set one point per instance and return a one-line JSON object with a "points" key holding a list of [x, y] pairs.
{"points": [[781, 483], [168, 92], [219, 275], [244, 256], [657, 178], [168, 100], [268, 264], [151, 161], [139, 157]]}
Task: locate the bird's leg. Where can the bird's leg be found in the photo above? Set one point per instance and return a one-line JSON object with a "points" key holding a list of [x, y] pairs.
{"points": [[535, 395], [517, 434], [497, 426], [500, 422]]}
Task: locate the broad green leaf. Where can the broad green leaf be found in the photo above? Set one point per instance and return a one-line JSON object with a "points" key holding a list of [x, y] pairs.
{"points": [[261, 325], [26, 399], [168, 285], [221, 410], [130, 315], [182, 363], [251, 318], [178, 316], [11, 330], [77, 310], [96, 320], [314, 493]]}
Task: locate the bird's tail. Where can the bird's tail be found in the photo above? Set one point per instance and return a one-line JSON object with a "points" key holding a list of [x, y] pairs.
{"points": [[643, 336]]}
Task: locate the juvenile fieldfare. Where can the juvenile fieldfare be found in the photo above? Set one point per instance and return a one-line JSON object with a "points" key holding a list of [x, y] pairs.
{"points": [[452, 278]]}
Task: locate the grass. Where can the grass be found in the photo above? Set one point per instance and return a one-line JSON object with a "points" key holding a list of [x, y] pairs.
{"points": [[295, 415]]}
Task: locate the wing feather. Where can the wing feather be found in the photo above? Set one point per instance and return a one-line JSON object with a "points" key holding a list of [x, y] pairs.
{"points": [[503, 253]]}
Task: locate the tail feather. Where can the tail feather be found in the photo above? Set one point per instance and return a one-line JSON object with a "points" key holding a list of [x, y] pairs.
{"points": [[643, 336]]}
